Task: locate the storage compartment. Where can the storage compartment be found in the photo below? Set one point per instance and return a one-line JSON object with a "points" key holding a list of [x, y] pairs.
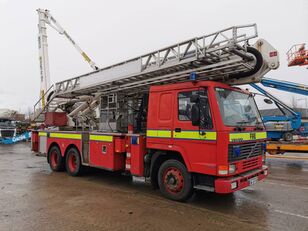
{"points": [[103, 155], [34, 141], [55, 119], [42, 144], [137, 155], [119, 144]]}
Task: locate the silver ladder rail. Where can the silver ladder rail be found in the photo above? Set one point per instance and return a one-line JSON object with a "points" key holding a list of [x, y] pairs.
{"points": [[41, 105], [213, 57]]}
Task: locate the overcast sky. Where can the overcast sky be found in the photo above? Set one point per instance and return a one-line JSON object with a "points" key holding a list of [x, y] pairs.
{"points": [[112, 31]]}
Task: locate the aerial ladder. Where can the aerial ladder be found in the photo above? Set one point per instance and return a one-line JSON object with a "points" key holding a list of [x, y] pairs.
{"points": [[45, 18], [224, 56]]}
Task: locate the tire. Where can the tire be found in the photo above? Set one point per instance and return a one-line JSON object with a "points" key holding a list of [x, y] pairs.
{"points": [[73, 163], [174, 181], [288, 136], [55, 159], [259, 62]]}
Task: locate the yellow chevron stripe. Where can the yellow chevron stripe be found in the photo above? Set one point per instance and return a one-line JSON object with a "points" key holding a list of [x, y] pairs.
{"points": [[195, 135], [101, 138], [159, 133], [42, 134], [246, 136], [65, 135], [182, 135]]}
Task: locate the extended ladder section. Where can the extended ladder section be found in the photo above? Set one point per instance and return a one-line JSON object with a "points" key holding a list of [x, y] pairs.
{"points": [[221, 56]]}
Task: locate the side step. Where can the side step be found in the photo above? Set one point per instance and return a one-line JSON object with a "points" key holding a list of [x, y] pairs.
{"points": [[204, 188]]}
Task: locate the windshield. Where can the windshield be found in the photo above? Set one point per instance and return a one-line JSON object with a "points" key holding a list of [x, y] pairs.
{"points": [[237, 108]]}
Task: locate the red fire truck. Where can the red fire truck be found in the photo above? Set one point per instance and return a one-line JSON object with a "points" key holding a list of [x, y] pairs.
{"points": [[172, 116]]}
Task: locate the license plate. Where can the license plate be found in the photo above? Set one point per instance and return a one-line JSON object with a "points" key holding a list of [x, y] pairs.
{"points": [[253, 180]]}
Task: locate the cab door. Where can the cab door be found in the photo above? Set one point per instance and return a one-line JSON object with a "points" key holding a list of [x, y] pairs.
{"points": [[199, 142], [160, 118]]}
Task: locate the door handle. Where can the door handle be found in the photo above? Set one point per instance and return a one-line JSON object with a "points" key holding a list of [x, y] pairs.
{"points": [[177, 129]]}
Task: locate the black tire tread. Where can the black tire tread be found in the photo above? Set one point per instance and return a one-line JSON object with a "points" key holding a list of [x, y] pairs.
{"points": [[188, 186]]}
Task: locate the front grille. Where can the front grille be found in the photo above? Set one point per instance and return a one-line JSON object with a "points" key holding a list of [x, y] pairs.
{"points": [[250, 163], [246, 151], [7, 133]]}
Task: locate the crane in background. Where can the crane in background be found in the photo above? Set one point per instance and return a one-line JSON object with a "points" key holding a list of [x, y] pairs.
{"points": [[45, 18], [297, 55], [290, 122]]}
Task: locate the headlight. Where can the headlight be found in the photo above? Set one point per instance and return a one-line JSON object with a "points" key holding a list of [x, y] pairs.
{"points": [[232, 168], [223, 169], [226, 169]]}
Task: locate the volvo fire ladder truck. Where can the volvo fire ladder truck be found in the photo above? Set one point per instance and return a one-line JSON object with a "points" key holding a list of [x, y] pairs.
{"points": [[171, 116]]}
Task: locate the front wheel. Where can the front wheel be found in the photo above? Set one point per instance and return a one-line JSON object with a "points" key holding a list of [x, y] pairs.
{"points": [[175, 181], [73, 163]]}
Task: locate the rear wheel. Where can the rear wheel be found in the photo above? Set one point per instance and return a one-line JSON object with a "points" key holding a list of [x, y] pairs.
{"points": [[175, 181], [56, 161], [73, 163]]}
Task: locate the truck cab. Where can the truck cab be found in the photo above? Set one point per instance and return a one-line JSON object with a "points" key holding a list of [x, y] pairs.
{"points": [[215, 130]]}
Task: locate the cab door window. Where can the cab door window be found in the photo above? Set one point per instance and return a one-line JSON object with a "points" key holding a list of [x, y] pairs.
{"points": [[185, 107]]}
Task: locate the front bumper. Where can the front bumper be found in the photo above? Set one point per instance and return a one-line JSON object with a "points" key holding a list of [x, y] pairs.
{"points": [[226, 185]]}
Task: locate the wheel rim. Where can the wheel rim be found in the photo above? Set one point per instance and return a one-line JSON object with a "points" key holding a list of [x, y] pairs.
{"points": [[72, 163], [54, 159], [173, 180]]}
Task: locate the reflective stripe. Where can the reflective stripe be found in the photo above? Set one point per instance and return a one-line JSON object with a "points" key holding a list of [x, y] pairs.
{"points": [[195, 135], [101, 138], [246, 136], [42, 134], [159, 133], [65, 135]]}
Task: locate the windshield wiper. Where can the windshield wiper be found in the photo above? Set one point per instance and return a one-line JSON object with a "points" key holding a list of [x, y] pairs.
{"points": [[243, 122]]}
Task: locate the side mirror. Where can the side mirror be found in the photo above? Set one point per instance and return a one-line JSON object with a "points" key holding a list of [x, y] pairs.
{"points": [[194, 98], [268, 101], [195, 115]]}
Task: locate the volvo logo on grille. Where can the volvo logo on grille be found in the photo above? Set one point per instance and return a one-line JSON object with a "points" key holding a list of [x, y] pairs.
{"points": [[252, 136]]}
